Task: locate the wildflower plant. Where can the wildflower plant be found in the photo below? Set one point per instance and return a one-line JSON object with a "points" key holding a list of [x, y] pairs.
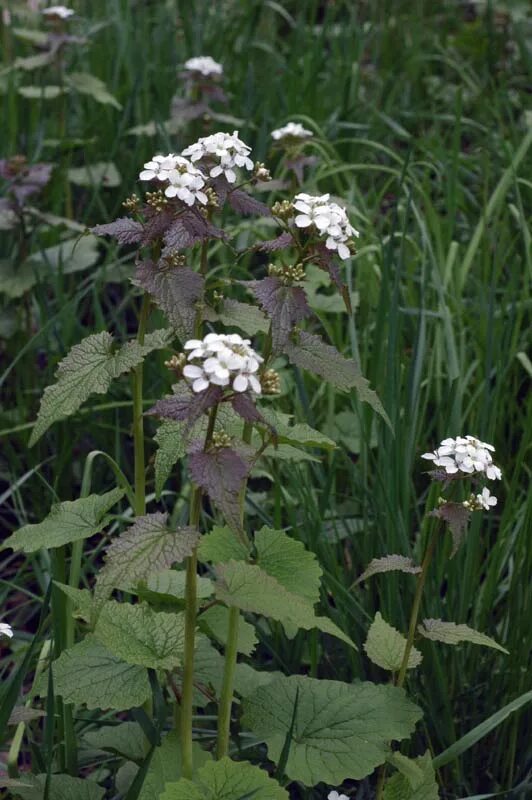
{"points": [[182, 592]]}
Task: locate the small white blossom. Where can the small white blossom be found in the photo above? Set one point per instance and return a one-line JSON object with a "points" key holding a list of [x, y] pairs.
{"points": [[62, 12], [486, 500], [222, 360], [6, 630], [328, 218], [335, 796], [292, 130], [204, 64], [465, 454], [185, 181], [226, 149], [159, 167]]}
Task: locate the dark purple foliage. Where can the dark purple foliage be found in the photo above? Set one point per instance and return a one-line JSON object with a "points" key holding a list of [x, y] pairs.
{"points": [[124, 230], [222, 474], [245, 407], [24, 179], [188, 229], [285, 306], [244, 203], [176, 290], [185, 405], [285, 239], [456, 516]]}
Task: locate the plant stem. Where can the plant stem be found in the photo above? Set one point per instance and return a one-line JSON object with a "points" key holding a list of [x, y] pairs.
{"points": [[138, 419], [191, 601], [231, 647]]}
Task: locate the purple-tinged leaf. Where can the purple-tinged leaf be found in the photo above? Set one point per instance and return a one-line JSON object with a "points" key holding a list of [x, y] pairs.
{"points": [[310, 352], [245, 407], [157, 223], [325, 259], [285, 239], [185, 111], [124, 230], [176, 290], [188, 229], [244, 203], [222, 474], [221, 187], [185, 405], [456, 516], [298, 164], [388, 564], [285, 305], [24, 179]]}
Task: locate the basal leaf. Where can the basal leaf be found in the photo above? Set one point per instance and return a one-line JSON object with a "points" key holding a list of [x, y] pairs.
{"points": [[172, 447], [415, 779], [140, 635], [126, 739], [248, 587], [67, 522], [340, 730], [385, 646], [89, 368], [67, 257], [285, 306], [165, 766], [451, 633], [61, 787], [226, 780], [88, 673], [298, 435], [147, 547], [310, 352], [88, 84], [176, 290], [222, 473], [248, 680], [82, 601], [103, 174], [287, 560], [168, 586], [389, 564], [221, 545], [215, 622]]}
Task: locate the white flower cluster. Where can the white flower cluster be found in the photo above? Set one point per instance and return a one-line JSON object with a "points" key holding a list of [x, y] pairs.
{"points": [[485, 500], [223, 360], [465, 454], [62, 12], [6, 630], [328, 218], [227, 149], [185, 181], [292, 130], [335, 796], [204, 64]]}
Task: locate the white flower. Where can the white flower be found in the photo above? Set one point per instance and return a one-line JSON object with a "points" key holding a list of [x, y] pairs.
{"points": [[225, 148], [335, 796], [328, 218], [58, 11], [222, 360], [486, 500], [292, 130], [6, 630], [465, 454], [186, 183], [159, 167], [204, 64]]}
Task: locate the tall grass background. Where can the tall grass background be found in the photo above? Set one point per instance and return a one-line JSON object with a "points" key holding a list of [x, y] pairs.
{"points": [[419, 114]]}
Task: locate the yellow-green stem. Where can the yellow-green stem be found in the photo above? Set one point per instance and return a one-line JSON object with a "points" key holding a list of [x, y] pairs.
{"points": [[190, 624], [138, 419]]}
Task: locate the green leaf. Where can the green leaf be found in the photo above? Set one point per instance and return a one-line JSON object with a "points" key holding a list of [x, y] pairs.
{"points": [[247, 679], [310, 352], [72, 255], [88, 84], [16, 280], [89, 368], [221, 545], [415, 779], [88, 673], [34, 62], [102, 173], [249, 588], [147, 547], [172, 447], [168, 586], [40, 38], [62, 787], [140, 635], [388, 564], [299, 435], [165, 766], [287, 560], [67, 522], [126, 739], [248, 318], [385, 646], [208, 672], [226, 780], [341, 731], [451, 633], [215, 621], [82, 601], [41, 92]]}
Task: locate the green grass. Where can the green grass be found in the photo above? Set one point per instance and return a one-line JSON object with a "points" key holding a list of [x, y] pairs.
{"points": [[419, 114]]}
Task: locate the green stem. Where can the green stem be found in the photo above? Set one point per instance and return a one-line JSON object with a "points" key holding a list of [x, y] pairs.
{"points": [[138, 419], [191, 602], [231, 647]]}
